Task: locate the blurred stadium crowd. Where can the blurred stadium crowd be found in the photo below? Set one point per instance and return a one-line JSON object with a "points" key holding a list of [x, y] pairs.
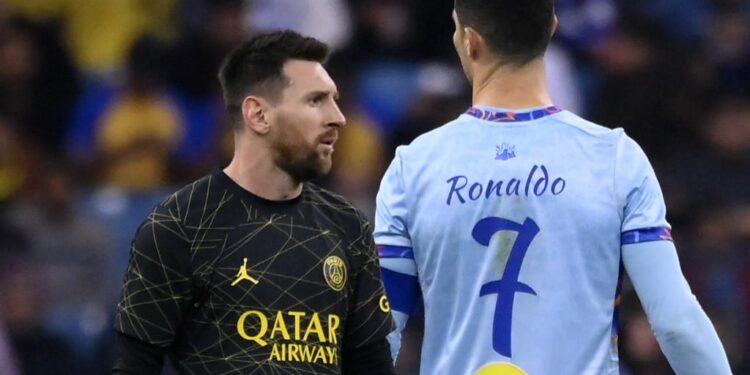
{"points": [[107, 105]]}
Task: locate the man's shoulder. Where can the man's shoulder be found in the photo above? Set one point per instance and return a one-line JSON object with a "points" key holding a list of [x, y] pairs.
{"points": [[432, 140], [333, 203], [576, 123], [192, 193], [443, 133]]}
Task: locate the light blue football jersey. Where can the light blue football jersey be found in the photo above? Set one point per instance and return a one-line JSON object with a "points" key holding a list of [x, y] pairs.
{"points": [[513, 223]]}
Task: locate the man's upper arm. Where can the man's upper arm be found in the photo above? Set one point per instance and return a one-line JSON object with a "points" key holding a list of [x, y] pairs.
{"points": [[395, 249], [157, 290], [683, 330], [392, 234], [369, 318], [391, 211]]}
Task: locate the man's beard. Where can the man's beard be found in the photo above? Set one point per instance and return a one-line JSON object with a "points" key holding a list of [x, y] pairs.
{"points": [[301, 162]]}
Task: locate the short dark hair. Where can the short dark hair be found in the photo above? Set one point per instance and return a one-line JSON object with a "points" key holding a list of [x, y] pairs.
{"points": [[518, 31], [256, 66]]}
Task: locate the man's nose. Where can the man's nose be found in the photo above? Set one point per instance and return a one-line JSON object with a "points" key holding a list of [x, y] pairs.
{"points": [[337, 117]]}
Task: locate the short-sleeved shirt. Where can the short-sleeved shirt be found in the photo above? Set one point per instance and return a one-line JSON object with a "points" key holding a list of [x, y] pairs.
{"points": [[515, 229], [235, 284]]}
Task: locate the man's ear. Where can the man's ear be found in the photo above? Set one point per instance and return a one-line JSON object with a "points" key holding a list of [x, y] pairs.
{"points": [[473, 42], [255, 114]]}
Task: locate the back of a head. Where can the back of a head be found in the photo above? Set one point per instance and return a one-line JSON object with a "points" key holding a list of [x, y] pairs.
{"points": [[517, 31], [256, 66]]}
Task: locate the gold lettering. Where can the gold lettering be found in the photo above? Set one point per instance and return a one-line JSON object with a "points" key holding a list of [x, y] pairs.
{"points": [[333, 323], [261, 332], [320, 354], [293, 348], [306, 352], [318, 328], [275, 354], [297, 315], [331, 351], [384, 305], [280, 326]]}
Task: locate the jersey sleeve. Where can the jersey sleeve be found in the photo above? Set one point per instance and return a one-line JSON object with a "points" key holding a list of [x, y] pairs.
{"points": [[682, 328], [391, 207], [369, 319], [685, 334], [395, 250], [157, 289], [639, 194]]}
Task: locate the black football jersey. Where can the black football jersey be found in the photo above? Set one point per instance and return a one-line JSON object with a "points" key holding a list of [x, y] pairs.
{"points": [[235, 284]]}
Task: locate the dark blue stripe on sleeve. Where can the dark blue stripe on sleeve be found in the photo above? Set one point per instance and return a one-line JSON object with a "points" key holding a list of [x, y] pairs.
{"points": [[402, 290], [388, 251], [646, 235]]}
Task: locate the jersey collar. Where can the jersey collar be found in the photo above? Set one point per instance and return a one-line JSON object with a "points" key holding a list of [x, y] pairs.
{"points": [[508, 116]]}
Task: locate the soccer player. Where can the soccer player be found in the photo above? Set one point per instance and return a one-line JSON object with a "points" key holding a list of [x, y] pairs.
{"points": [[252, 269], [514, 219]]}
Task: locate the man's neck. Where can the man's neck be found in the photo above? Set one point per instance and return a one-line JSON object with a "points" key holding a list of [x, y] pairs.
{"points": [[258, 174], [511, 87]]}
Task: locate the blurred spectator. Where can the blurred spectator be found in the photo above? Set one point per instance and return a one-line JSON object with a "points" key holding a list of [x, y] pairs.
{"points": [[8, 360], [38, 351], [12, 166], [647, 86], [195, 56], [326, 20], [727, 45], [4, 13], [101, 32], [684, 21], [194, 61], [130, 132], [441, 95], [38, 83], [712, 171], [562, 80], [12, 246], [71, 256], [385, 30], [584, 23]]}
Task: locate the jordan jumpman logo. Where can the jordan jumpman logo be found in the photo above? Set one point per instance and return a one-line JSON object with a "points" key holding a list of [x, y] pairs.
{"points": [[242, 275]]}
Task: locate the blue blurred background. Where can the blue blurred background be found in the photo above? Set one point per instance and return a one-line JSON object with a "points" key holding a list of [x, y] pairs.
{"points": [[106, 106]]}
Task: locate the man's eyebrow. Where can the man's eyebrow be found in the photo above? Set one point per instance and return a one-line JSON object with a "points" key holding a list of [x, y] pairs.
{"points": [[318, 93]]}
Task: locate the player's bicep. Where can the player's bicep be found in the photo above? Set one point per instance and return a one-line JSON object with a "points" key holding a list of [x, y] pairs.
{"points": [[369, 319], [400, 277], [391, 207], [157, 288], [402, 288], [638, 189]]}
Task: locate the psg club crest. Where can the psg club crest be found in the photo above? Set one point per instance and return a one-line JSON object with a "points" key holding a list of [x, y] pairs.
{"points": [[505, 152], [334, 271]]}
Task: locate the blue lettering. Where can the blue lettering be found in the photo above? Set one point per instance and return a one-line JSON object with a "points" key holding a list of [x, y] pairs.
{"points": [[537, 183], [475, 187], [512, 187], [544, 180], [528, 180], [497, 188], [507, 287], [555, 191], [456, 189]]}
